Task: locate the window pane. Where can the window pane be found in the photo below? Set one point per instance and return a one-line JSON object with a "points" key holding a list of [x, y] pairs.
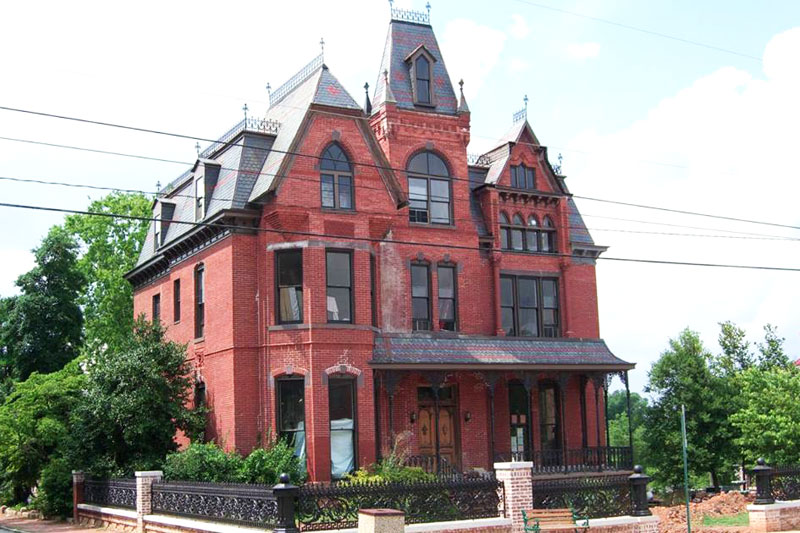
{"points": [[527, 292], [290, 268], [531, 238], [291, 304], [446, 309], [528, 323], [549, 293], [529, 178], [436, 166], [338, 267], [516, 239], [291, 404], [327, 190], [419, 281], [419, 163], [339, 304], [532, 221], [549, 317], [440, 212], [422, 67], [508, 320], [504, 238], [446, 289], [419, 308], [506, 292], [503, 218], [418, 189], [423, 94], [545, 241], [440, 190], [418, 215]]}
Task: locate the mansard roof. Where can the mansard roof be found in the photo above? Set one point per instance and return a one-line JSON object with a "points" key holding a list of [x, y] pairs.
{"points": [[403, 39]]}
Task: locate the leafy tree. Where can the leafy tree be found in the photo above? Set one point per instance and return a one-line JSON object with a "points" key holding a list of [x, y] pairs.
{"points": [[111, 247], [769, 420], [736, 355], [772, 354], [618, 405], [34, 427], [618, 423], [682, 377], [42, 327], [136, 398]]}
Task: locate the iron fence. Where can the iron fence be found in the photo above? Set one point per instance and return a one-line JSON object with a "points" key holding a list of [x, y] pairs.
{"points": [[110, 492], [590, 459], [240, 503], [335, 505], [428, 464], [591, 497], [786, 483]]}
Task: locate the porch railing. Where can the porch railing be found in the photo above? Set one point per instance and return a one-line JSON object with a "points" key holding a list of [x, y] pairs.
{"points": [[591, 459], [428, 464]]}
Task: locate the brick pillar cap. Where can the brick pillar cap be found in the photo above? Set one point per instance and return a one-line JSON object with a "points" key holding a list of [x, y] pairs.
{"points": [[150, 473], [516, 465], [381, 512], [78, 472]]}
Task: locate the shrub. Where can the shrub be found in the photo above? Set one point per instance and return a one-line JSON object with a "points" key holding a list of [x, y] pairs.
{"points": [[265, 465], [203, 462], [390, 469], [54, 495]]}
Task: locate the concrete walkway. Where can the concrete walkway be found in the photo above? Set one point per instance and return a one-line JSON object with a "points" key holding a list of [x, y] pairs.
{"points": [[27, 525]]}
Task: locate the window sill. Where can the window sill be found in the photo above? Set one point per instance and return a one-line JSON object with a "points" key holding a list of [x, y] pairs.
{"points": [[199, 340], [339, 210], [432, 226], [528, 252]]}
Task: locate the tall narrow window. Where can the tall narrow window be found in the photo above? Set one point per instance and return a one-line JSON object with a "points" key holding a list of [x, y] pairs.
{"points": [[505, 232], [292, 416], [289, 273], [340, 286], [522, 177], [176, 300], [428, 189], [529, 306], [518, 403], [422, 70], [342, 410], [336, 178], [517, 233], [532, 234], [156, 307], [447, 297], [420, 298], [199, 302], [549, 424], [548, 235], [199, 194], [157, 236]]}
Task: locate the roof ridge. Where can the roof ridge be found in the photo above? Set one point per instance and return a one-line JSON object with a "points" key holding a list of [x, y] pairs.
{"points": [[302, 75]]}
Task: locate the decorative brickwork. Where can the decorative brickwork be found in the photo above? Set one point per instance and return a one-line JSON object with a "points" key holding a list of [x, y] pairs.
{"points": [[782, 516], [518, 481], [144, 494]]}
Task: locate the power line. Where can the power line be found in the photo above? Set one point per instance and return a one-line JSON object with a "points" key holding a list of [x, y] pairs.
{"points": [[640, 30], [372, 165], [384, 241]]}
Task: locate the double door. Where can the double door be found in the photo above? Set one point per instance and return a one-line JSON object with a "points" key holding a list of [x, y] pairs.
{"points": [[446, 431]]}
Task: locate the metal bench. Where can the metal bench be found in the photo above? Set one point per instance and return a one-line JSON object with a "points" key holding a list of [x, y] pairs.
{"points": [[537, 520]]}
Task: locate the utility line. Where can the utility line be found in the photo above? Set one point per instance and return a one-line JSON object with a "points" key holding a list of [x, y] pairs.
{"points": [[372, 165], [384, 241]]}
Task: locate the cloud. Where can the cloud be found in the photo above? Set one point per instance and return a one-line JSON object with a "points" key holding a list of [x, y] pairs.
{"points": [[725, 145], [582, 50], [471, 51], [517, 65], [519, 27], [14, 263]]}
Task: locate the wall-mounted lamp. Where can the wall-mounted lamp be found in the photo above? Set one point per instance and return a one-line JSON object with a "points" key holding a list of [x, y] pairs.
{"points": [[467, 416], [412, 417]]}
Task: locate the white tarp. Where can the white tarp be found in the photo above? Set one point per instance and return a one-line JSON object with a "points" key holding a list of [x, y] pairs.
{"points": [[342, 452]]}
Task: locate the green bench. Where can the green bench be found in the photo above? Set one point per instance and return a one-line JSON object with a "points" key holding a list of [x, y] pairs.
{"points": [[538, 520]]}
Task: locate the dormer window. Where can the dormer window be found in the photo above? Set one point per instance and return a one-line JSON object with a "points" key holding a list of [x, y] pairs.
{"points": [[522, 177], [421, 65], [199, 194]]}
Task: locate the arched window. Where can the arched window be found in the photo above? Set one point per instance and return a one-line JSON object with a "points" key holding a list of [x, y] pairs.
{"points": [[532, 235], [548, 236], [422, 71], [336, 178], [517, 233], [505, 232], [428, 189]]}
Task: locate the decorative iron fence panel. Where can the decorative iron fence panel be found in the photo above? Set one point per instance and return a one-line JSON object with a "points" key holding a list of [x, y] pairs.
{"points": [[592, 497], [335, 506], [229, 502], [110, 492], [428, 464], [590, 459], [786, 483]]}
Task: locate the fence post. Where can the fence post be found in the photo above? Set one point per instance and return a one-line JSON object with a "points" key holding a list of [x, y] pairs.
{"points": [[638, 481], [78, 477], [285, 493], [763, 474], [517, 479], [144, 495]]}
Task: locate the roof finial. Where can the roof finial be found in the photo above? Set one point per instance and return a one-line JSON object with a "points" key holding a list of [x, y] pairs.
{"points": [[462, 103], [367, 104], [322, 45], [245, 109], [428, 7], [197, 147], [461, 86], [158, 186], [388, 95], [526, 104]]}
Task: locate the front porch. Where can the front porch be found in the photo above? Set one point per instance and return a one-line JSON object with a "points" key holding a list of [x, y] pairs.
{"points": [[459, 416]]}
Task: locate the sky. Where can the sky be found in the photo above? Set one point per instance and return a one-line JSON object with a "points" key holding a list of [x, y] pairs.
{"points": [[637, 117]]}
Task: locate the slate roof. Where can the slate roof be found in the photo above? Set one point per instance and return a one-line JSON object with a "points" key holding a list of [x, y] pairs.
{"points": [[578, 232], [401, 40], [417, 350], [477, 177]]}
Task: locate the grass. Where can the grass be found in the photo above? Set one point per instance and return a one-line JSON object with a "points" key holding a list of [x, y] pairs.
{"points": [[741, 519]]}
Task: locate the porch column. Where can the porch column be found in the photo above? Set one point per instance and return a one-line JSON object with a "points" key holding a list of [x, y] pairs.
{"points": [[529, 383], [390, 380], [376, 407], [563, 381], [490, 380], [630, 422], [605, 402]]}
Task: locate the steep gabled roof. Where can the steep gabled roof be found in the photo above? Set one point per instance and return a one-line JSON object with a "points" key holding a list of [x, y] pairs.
{"points": [[402, 40]]}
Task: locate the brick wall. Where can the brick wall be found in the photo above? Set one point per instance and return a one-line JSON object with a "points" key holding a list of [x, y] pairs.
{"points": [[783, 516]]}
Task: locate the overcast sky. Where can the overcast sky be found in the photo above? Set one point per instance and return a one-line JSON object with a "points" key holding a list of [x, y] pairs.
{"points": [[638, 118]]}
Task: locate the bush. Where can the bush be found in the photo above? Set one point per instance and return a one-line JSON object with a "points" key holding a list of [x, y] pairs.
{"points": [[203, 462], [390, 469], [265, 465], [54, 497]]}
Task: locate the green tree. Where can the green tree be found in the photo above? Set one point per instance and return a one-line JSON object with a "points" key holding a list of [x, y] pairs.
{"points": [[769, 420], [736, 355], [34, 427], [682, 377], [772, 354], [111, 247], [42, 327], [618, 405], [135, 400]]}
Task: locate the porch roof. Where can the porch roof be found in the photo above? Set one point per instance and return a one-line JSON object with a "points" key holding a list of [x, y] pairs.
{"points": [[419, 351]]}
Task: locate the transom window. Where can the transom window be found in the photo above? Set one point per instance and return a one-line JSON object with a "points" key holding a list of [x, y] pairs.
{"points": [[336, 178], [422, 71], [529, 306], [520, 236], [428, 189], [523, 177]]}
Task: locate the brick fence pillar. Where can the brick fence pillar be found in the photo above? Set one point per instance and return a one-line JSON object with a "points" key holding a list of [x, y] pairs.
{"points": [[517, 479], [381, 521], [78, 478], [144, 495]]}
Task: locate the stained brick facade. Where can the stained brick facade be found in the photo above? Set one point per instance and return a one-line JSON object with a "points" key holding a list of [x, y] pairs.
{"points": [[245, 351]]}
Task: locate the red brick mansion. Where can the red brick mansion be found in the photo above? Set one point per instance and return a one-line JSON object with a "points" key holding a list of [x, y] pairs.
{"points": [[343, 274]]}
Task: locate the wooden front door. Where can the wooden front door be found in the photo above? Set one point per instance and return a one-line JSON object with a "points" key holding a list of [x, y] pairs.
{"points": [[447, 433]]}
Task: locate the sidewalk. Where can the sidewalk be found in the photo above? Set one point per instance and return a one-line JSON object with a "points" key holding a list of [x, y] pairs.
{"points": [[28, 525]]}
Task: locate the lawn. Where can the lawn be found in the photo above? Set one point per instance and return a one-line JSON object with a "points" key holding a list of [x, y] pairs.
{"points": [[741, 519]]}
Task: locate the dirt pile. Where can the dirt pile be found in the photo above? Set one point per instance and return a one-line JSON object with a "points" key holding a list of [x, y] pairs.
{"points": [[673, 519]]}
